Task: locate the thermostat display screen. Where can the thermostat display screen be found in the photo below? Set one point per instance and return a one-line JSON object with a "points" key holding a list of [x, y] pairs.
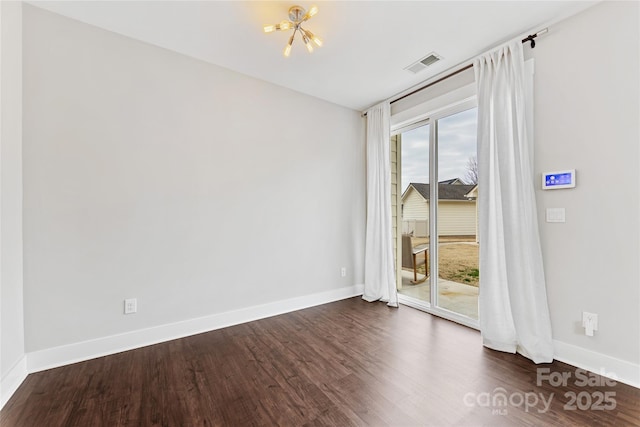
{"points": [[558, 179], [564, 179]]}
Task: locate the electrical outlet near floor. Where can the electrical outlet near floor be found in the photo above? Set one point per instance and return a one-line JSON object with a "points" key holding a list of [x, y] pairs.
{"points": [[343, 272], [130, 306], [589, 323]]}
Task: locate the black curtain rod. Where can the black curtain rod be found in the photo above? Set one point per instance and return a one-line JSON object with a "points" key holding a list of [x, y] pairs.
{"points": [[529, 38], [466, 67]]}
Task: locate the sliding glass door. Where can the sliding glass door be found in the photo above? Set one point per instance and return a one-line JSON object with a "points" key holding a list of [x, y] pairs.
{"points": [[457, 214], [413, 227], [437, 243]]}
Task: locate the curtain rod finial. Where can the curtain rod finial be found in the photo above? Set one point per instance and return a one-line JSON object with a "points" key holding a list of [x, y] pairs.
{"points": [[531, 38]]}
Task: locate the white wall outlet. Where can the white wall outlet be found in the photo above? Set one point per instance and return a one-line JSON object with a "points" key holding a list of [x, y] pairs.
{"points": [[589, 323], [130, 306], [343, 272]]}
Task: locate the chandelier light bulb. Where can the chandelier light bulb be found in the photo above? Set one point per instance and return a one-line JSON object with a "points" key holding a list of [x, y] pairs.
{"points": [[285, 25], [287, 49], [317, 40], [310, 13], [307, 43]]}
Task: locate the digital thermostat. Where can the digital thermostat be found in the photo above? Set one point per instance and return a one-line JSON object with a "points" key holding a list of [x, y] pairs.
{"points": [[556, 180]]}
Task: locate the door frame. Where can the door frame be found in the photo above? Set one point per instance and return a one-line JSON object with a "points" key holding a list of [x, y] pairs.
{"points": [[431, 120]]}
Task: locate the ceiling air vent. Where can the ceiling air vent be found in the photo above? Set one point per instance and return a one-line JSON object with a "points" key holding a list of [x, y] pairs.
{"points": [[423, 63]]}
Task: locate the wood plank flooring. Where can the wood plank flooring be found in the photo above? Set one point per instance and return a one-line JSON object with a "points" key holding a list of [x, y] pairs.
{"points": [[340, 364]]}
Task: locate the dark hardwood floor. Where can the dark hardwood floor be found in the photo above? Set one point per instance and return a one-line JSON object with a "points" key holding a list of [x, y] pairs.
{"points": [[339, 364]]}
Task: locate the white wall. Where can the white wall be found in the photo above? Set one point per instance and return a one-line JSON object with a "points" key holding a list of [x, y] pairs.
{"points": [[587, 118], [12, 350], [193, 188]]}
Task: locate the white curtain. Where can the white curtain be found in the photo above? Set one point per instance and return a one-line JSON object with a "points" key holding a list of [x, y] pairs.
{"points": [[514, 315], [379, 275]]}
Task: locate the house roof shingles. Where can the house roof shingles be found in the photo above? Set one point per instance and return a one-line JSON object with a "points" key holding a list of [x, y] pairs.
{"points": [[445, 191]]}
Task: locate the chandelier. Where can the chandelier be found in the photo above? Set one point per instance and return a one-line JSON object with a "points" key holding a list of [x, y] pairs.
{"points": [[297, 16]]}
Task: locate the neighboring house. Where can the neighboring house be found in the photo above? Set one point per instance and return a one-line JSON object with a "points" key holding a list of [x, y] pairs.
{"points": [[456, 209]]}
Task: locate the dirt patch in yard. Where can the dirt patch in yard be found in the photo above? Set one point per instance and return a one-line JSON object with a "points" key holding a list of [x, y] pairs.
{"points": [[459, 262], [458, 259]]}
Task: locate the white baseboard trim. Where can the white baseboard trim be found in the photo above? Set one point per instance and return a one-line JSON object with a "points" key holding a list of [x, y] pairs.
{"points": [[617, 369], [12, 380], [86, 350]]}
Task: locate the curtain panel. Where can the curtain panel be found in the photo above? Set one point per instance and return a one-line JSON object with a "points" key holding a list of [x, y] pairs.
{"points": [[514, 314], [379, 275]]}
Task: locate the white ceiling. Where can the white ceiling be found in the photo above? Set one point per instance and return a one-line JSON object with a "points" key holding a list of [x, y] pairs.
{"points": [[366, 43]]}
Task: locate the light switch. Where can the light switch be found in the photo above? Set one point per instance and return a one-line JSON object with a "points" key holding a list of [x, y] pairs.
{"points": [[555, 215]]}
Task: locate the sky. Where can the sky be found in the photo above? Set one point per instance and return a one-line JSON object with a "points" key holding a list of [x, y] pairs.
{"points": [[456, 144]]}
